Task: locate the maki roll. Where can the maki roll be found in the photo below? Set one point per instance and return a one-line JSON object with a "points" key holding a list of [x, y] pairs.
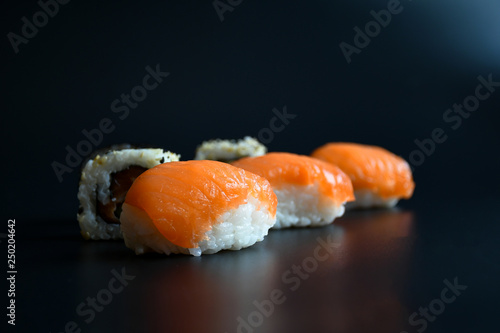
{"points": [[229, 150], [105, 179], [379, 177], [310, 192], [197, 207]]}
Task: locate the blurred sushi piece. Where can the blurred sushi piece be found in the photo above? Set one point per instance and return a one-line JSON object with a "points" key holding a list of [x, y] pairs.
{"points": [[229, 150], [197, 207], [379, 177], [105, 179], [310, 192]]}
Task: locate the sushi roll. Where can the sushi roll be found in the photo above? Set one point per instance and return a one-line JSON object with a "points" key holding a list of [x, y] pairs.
{"points": [[104, 182], [197, 207], [229, 150], [310, 192], [379, 178]]}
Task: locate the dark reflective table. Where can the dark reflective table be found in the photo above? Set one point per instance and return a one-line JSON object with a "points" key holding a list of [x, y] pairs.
{"points": [[370, 271]]}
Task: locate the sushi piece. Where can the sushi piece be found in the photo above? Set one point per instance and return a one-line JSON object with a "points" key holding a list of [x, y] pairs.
{"points": [[310, 192], [105, 179], [379, 178], [197, 207], [229, 150]]}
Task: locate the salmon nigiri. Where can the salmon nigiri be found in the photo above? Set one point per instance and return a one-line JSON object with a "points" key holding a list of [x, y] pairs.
{"points": [[197, 207], [379, 177], [310, 192]]}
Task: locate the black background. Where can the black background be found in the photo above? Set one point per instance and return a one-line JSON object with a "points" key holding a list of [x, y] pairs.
{"points": [[227, 76]]}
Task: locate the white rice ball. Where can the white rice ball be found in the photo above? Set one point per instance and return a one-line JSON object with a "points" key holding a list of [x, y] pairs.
{"points": [[235, 229], [302, 206], [368, 199]]}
